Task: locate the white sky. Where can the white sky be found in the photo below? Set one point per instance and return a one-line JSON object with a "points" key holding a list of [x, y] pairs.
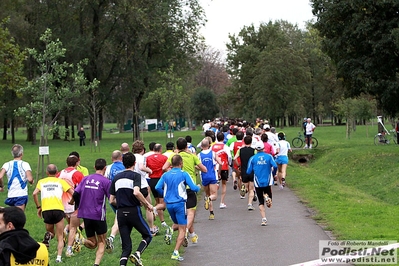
{"points": [[230, 16]]}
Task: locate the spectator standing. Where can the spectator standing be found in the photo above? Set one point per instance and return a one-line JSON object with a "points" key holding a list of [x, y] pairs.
{"points": [[82, 136]]}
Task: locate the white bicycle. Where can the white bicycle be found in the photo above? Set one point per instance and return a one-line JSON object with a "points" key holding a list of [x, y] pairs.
{"points": [[384, 137]]}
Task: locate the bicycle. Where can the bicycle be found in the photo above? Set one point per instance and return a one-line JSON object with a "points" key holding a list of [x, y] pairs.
{"points": [[298, 142], [384, 137]]}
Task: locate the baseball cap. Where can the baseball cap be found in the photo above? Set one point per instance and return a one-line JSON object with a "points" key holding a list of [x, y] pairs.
{"points": [[259, 146], [266, 126]]}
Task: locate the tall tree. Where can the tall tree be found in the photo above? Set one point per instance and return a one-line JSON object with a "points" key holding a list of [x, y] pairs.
{"points": [[53, 88], [361, 38], [11, 78]]}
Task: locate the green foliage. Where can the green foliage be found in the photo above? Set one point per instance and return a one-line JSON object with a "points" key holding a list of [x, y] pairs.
{"points": [[12, 60], [54, 86], [361, 38], [203, 104]]}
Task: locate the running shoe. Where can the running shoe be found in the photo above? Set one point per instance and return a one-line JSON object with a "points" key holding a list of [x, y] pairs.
{"points": [[109, 246], [58, 261], [268, 200], [264, 222], [76, 246], [68, 253], [194, 239], [168, 235], [46, 239], [207, 202], [250, 207], [283, 182], [135, 259], [211, 216], [243, 190], [222, 206], [164, 224], [281, 187], [235, 185], [242, 197], [154, 230], [255, 198], [185, 241], [176, 256]]}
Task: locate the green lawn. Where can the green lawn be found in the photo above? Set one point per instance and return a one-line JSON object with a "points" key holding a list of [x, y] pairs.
{"points": [[351, 185]]}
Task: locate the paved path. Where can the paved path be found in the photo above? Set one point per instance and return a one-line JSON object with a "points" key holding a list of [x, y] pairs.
{"points": [[236, 237]]}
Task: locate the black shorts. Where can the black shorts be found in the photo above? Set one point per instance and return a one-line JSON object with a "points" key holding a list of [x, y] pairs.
{"points": [[53, 216], [224, 174], [260, 191], [247, 178], [191, 199], [153, 182], [144, 191], [93, 227]]}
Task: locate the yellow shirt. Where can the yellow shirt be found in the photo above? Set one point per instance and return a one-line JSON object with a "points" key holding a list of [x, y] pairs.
{"points": [[41, 257], [51, 189], [83, 170]]}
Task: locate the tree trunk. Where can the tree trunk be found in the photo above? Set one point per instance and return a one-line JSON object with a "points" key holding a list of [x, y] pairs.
{"points": [[5, 128], [66, 121], [72, 129], [12, 128], [100, 123]]}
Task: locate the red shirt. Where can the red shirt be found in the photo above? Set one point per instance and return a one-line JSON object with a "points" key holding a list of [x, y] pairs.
{"points": [[268, 148], [218, 149], [237, 145], [77, 176], [155, 162]]}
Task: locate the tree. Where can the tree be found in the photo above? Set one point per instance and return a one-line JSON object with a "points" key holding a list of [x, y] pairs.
{"points": [[54, 86], [11, 78], [203, 104], [361, 38]]}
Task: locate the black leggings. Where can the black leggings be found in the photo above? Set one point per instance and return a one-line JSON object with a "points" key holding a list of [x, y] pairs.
{"points": [[129, 218]]}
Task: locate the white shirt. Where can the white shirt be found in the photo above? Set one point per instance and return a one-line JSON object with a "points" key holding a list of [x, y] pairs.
{"points": [[140, 160], [309, 128], [15, 189]]}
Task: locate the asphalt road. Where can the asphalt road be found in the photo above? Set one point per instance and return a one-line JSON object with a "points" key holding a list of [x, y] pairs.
{"points": [[236, 237]]}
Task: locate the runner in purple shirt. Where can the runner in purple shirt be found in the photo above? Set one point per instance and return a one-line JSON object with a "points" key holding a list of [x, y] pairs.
{"points": [[92, 195]]}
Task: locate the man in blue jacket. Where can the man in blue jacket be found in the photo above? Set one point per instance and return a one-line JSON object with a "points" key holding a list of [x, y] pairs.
{"points": [[261, 164], [172, 186]]}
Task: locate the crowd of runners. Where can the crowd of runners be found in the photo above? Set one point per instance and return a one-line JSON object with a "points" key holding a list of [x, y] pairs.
{"points": [[253, 156]]}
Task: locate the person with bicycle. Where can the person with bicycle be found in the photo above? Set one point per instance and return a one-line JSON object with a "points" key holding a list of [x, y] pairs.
{"points": [[310, 127]]}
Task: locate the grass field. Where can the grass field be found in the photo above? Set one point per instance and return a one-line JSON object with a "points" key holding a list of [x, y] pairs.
{"points": [[351, 185]]}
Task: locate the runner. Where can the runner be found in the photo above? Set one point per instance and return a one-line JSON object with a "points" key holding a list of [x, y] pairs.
{"points": [[210, 178], [126, 196], [91, 196], [283, 147], [172, 187], [244, 154], [155, 162], [224, 153], [190, 163], [260, 165], [234, 147]]}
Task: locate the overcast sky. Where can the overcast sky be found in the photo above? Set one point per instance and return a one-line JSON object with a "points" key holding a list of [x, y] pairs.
{"points": [[229, 16]]}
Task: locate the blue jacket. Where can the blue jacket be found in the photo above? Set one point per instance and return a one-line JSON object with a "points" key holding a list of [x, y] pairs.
{"points": [[261, 165], [172, 185]]}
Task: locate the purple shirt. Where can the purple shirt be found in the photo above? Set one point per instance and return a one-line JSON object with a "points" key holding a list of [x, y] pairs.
{"points": [[94, 194]]}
